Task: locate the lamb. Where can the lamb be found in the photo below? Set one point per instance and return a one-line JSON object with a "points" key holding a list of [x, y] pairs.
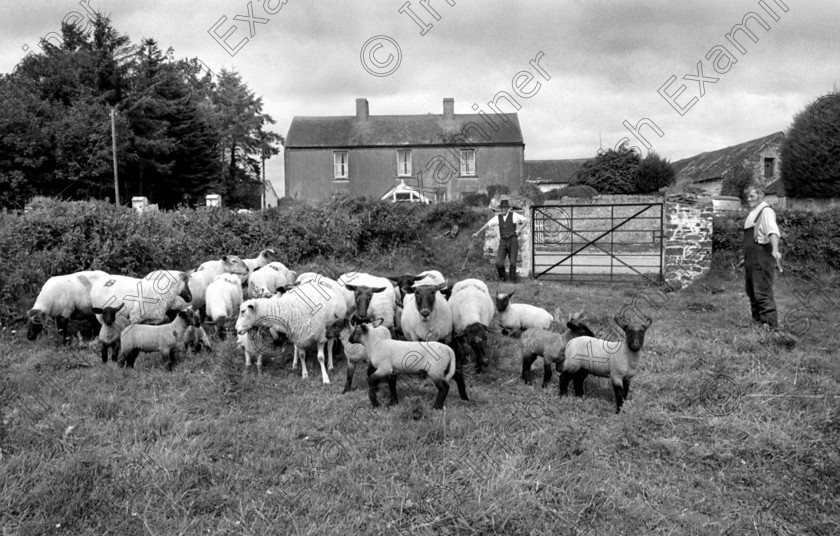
{"points": [[389, 357], [223, 297], [472, 312], [426, 314], [165, 338], [550, 345], [207, 271], [196, 338], [63, 297], [294, 318], [268, 279], [516, 317], [617, 361], [371, 296], [355, 353], [121, 300]]}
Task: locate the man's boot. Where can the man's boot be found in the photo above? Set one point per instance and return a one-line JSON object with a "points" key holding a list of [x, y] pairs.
{"points": [[514, 278], [502, 274]]}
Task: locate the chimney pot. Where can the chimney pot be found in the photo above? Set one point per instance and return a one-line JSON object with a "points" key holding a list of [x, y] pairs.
{"points": [[449, 108], [362, 112]]}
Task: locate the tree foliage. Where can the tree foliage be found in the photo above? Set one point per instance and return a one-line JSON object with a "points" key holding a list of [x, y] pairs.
{"points": [[180, 132], [811, 150], [653, 173], [610, 172], [736, 181]]}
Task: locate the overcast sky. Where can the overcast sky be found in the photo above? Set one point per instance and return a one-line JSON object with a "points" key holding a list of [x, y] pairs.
{"points": [[606, 61]]}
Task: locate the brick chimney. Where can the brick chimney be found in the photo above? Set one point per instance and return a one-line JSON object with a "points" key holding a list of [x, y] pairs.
{"points": [[362, 113], [449, 108]]}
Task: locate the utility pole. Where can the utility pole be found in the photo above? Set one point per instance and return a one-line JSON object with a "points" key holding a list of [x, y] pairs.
{"points": [[114, 151]]}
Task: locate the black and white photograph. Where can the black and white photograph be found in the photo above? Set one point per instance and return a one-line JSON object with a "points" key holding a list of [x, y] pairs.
{"points": [[419, 267]]}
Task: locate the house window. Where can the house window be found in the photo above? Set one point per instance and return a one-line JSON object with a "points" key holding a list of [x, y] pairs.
{"points": [[341, 169], [769, 167], [468, 162], [404, 163], [440, 197]]}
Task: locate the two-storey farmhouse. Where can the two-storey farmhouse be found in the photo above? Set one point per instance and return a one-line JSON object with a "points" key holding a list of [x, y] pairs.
{"points": [[367, 155]]}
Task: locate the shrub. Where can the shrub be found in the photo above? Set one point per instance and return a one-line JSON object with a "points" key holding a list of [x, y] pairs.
{"points": [[611, 172], [653, 173], [736, 181], [811, 150]]}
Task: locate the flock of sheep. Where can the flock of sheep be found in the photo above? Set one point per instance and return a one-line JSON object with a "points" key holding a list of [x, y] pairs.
{"points": [[409, 324]]}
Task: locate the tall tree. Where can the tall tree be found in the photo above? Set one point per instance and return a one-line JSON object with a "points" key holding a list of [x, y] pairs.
{"points": [[611, 172], [653, 173], [811, 150]]}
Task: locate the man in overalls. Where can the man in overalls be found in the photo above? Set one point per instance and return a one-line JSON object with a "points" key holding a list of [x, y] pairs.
{"points": [[761, 254], [510, 225]]}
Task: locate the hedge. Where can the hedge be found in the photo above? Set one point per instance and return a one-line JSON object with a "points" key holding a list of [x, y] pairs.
{"points": [[59, 237], [809, 240]]}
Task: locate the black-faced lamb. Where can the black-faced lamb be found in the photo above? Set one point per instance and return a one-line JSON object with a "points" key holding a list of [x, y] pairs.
{"points": [[165, 338], [472, 313], [223, 298], [617, 361], [63, 297], [388, 358], [551, 346], [516, 317]]}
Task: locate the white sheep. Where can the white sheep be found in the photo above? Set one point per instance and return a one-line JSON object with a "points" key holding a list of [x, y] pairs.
{"points": [[370, 296], [120, 300], [426, 314], [516, 317], [389, 357], [166, 339], [355, 353], [268, 279], [223, 298], [207, 272], [293, 317], [472, 313], [324, 297], [266, 256], [550, 345], [63, 297], [616, 360]]}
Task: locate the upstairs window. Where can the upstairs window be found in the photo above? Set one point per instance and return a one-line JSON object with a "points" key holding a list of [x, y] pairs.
{"points": [[467, 162], [340, 159], [404, 163], [769, 167]]}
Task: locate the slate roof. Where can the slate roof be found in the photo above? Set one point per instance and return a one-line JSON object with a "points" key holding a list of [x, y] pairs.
{"points": [[399, 130], [713, 165], [552, 171]]}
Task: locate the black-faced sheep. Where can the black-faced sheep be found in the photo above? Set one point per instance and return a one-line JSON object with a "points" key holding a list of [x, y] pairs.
{"points": [[516, 317], [166, 339], [388, 358], [426, 315], [617, 361], [371, 296], [472, 313], [551, 346], [63, 297]]}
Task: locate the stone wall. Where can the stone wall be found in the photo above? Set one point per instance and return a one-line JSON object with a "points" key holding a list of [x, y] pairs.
{"points": [[688, 237]]}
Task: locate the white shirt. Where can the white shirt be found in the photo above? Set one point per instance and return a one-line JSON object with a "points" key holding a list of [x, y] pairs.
{"points": [[765, 226], [518, 220]]}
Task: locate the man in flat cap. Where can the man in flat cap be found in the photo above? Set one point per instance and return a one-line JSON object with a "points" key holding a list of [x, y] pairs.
{"points": [[510, 225]]}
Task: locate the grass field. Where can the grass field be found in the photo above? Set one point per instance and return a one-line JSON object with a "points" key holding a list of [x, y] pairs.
{"points": [[712, 441]]}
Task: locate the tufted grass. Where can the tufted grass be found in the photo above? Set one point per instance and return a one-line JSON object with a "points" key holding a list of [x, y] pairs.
{"points": [[709, 443]]}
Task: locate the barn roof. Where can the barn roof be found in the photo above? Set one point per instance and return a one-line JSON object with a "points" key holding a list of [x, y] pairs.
{"points": [[401, 130], [552, 171], [713, 165]]}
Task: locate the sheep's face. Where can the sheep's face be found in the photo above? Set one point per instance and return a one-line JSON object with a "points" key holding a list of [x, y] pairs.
{"points": [[339, 329], [109, 314], [425, 296], [36, 323], [502, 301], [247, 317], [268, 255], [363, 296], [359, 333], [189, 316], [634, 332], [235, 265], [403, 282]]}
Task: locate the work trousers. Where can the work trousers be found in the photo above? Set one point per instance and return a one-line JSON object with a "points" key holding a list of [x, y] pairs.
{"points": [[508, 247], [758, 276]]}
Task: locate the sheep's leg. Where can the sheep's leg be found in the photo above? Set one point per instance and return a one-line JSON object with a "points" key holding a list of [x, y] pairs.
{"points": [[527, 361], [221, 327], [247, 361], [565, 378], [392, 387], [325, 378], [117, 348], [373, 383], [173, 358], [329, 344], [443, 390], [61, 323], [300, 354], [103, 347], [351, 371], [618, 389], [580, 376], [480, 351], [295, 360], [459, 381], [546, 372], [626, 383]]}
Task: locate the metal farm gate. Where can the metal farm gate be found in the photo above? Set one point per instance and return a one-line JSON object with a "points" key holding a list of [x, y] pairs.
{"points": [[610, 242]]}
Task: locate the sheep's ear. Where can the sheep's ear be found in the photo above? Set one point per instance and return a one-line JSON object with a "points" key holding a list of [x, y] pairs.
{"points": [[620, 321], [378, 289], [251, 306], [442, 286], [511, 293], [571, 325], [647, 322], [96, 311], [377, 322], [120, 307], [351, 288], [224, 258]]}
